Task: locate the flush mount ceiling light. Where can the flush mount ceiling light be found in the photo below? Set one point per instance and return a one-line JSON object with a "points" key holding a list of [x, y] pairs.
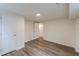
{"points": [[38, 14]]}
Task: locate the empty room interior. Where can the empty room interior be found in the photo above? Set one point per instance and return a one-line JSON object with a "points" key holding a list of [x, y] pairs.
{"points": [[39, 29]]}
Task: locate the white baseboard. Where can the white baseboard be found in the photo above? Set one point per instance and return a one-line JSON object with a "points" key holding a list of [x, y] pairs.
{"points": [[20, 47], [4, 51]]}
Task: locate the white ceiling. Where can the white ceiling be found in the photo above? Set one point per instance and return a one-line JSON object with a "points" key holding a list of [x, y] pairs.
{"points": [[48, 11]]}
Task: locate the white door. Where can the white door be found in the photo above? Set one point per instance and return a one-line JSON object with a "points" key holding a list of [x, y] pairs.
{"points": [[9, 26], [0, 34]]}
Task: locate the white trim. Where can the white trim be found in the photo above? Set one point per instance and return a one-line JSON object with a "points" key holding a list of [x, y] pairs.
{"points": [[20, 47]]}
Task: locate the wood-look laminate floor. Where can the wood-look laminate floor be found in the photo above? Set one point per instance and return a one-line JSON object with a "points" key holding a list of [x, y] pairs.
{"points": [[40, 47]]}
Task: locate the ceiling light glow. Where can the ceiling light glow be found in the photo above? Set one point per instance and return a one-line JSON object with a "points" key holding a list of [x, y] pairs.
{"points": [[38, 14]]}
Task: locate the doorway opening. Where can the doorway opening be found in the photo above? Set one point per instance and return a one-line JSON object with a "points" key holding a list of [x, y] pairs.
{"points": [[38, 30]]}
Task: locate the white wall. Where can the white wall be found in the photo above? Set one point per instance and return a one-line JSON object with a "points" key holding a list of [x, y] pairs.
{"points": [[77, 36], [28, 30], [0, 33], [61, 31]]}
